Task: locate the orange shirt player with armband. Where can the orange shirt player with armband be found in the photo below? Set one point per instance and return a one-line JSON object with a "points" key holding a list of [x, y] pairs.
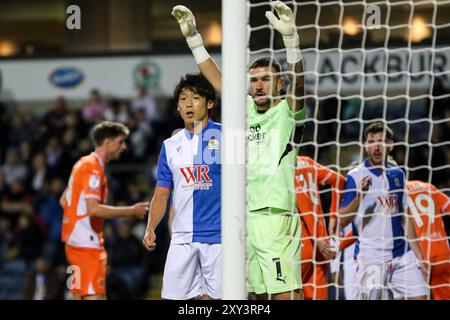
{"points": [[317, 250]]}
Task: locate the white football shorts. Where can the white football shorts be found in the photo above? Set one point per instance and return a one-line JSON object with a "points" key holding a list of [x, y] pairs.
{"points": [[397, 279], [192, 270]]}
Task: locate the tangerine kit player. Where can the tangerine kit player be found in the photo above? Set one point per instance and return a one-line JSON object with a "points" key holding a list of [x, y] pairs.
{"points": [[84, 202], [274, 133], [189, 167], [317, 249], [427, 205]]}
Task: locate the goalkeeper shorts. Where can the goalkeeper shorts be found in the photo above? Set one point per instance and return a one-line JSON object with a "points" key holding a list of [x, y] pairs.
{"points": [[273, 247]]}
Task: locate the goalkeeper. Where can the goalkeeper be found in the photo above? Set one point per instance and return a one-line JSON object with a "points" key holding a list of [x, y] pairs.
{"points": [[275, 130]]}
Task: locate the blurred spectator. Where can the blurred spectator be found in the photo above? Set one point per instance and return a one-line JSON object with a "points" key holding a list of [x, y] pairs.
{"points": [[144, 101], [39, 172], [134, 194], [27, 240], [70, 145], [126, 258], [16, 201], [140, 133], [50, 215], [117, 112], [26, 152], [19, 130], [42, 283], [84, 147], [55, 119], [74, 120], [95, 108], [2, 185], [5, 238], [12, 169], [57, 158]]}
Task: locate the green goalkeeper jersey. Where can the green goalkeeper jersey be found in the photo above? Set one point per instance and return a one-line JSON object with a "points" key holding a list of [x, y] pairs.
{"points": [[273, 139]]}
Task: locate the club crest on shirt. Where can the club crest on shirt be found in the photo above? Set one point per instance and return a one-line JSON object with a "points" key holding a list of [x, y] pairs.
{"points": [[213, 144], [397, 182], [94, 182]]}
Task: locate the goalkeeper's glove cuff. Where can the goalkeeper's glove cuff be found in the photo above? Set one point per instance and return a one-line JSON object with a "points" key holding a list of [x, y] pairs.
{"points": [[292, 44], [292, 41], [195, 43]]}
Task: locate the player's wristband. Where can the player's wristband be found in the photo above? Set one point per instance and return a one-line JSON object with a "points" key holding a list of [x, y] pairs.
{"points": [[292, 44], [195, 43]]}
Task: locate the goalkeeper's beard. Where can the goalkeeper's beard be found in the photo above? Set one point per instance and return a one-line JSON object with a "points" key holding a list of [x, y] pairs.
{"points": [[263, 103]]}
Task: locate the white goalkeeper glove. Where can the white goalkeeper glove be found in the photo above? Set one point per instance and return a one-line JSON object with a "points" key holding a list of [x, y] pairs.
{"points": [[285, 25], [188, 27]]}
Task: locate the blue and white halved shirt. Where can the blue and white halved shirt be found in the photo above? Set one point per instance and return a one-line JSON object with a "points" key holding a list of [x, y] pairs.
{"points": [[190, 164], [378, 223]]}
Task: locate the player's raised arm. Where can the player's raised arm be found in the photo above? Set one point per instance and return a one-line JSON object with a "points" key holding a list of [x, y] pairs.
{"points": [[285, 24], [205, 63], [352, 199]]}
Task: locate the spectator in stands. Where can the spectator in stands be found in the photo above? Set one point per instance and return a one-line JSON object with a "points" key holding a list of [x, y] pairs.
{"points": [[2, 185], [117, 112], [74, 120], [95, 108], [55, 119], [50, 215], [126, 257], [25, 152], [42, 284], [20, 129], [12, 169], [70, 142], [57, 158], [144, 101], [39, 172], [140, 133], [5, 238], [84, 147], [16, 201], [27, 240]]}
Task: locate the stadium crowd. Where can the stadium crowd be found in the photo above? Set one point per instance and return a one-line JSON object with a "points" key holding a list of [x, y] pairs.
{"points": [[38, 150]]}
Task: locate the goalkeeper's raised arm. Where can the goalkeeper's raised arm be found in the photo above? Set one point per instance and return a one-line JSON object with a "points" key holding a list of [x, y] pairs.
{"points": [[194, 40], [285, 24]]}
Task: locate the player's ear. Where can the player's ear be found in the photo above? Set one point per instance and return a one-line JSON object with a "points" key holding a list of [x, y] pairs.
{"points": [[280, 83], [210, 104], [390, 145]]}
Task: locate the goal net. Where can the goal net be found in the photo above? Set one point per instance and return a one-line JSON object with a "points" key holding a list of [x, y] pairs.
{"points": [[367, 61]]}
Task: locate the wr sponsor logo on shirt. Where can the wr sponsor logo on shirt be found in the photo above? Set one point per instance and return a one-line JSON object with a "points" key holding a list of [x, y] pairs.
{"points": [[196, 177], [390, 201]]}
